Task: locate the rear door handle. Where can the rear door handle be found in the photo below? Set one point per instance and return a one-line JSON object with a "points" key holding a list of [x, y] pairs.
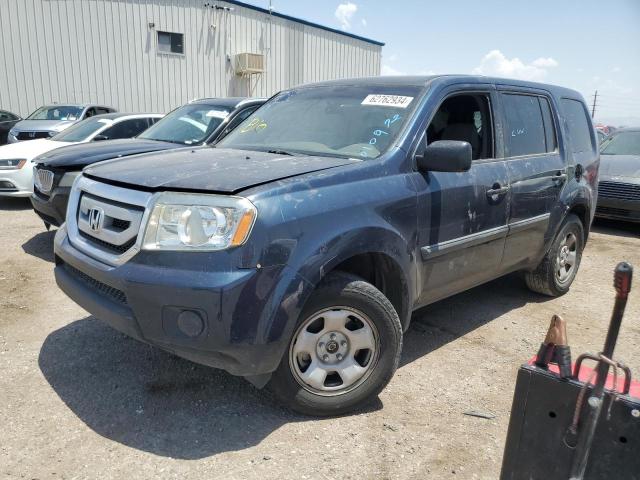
{"points": [[559, 178], [496, 191]]}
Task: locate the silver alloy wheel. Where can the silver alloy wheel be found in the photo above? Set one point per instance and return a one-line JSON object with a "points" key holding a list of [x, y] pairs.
{"points": [[566, 258], [334, 351]]}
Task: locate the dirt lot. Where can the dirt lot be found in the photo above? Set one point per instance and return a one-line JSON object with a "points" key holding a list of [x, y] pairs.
{"points": [[79, 400]]}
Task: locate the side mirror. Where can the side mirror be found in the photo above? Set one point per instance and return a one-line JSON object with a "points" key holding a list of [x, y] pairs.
{"points": [[445, 156], [99, 138]]}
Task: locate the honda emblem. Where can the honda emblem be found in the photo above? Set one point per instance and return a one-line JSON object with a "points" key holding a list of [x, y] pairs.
{"points": [[96, 217]]}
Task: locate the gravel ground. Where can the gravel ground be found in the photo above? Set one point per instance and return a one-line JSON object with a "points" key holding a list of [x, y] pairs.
{"points": [[79, 400]]}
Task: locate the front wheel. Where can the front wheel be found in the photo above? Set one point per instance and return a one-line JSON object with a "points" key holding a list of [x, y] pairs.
{"points": [[555, 274], [344, 351]]}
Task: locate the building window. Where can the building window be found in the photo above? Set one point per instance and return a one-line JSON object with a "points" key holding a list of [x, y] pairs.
{"points": [[169, 42]]}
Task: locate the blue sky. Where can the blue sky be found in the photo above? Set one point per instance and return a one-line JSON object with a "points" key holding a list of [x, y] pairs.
{"points": [[586, 45]]}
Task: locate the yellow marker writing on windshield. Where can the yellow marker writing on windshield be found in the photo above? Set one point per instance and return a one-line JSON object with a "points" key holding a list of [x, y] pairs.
{"points": [[256, 124]]}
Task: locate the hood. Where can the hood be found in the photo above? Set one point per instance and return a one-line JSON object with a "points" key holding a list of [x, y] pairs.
{"points": [[81, 155], [42, 125], [624, 166], [209, 169], [30, 149]]}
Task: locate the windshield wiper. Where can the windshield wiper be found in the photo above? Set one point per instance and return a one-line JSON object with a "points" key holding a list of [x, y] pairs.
{"points": [[277, 151]]}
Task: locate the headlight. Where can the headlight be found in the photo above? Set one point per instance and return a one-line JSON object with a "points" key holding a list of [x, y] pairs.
{"points": [[12, 163], [68, 179], [13, 133], [182, 221]]}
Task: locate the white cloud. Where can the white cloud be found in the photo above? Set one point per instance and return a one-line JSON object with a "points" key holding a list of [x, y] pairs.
{"points": [[344, 13], [389, 70], [544, 62], [364, 22], [496, 63], [616, 69]]}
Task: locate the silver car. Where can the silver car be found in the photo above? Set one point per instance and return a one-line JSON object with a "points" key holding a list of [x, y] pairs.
{"points": [[50, 120], [619, 187]]}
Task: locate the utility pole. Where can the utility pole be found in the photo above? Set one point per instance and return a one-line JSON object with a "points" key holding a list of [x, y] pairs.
{"points": [[593, 108]]}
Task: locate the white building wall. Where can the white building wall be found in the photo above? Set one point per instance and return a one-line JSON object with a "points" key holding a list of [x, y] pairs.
{"points": [[104, 51]]}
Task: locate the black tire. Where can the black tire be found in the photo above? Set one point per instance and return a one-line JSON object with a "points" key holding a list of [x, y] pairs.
{"points": [[545, 279], [344, 290]]}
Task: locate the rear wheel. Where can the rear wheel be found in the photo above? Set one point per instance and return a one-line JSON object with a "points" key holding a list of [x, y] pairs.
{"points": [[555, 274], [344, 351]]}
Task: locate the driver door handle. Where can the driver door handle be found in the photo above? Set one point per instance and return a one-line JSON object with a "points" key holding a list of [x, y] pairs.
{"points": [[497, 190]]}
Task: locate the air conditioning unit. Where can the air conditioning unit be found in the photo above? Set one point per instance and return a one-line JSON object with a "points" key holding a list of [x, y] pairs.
{"points": [[249, 63]]}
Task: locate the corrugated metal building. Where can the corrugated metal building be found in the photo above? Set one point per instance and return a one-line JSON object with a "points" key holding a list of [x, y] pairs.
{"points": [[153, 55]]}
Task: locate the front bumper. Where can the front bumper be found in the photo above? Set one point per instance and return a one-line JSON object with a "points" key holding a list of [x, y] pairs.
{"points": [[51, 209], [616, 209], [17, 183], [247, 315]]}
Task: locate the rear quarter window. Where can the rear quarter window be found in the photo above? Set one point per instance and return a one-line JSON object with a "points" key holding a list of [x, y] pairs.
{"points": [[578, 125]]}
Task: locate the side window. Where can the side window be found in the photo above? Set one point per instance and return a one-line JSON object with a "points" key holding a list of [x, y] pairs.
{"points": [[101, 111], [126, 129], [90, 113], [465, 117], [5, 116], [579, 125], [525, 128]]}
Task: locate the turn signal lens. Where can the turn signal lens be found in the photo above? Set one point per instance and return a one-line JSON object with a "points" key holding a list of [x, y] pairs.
{"points": [[244, 227]]}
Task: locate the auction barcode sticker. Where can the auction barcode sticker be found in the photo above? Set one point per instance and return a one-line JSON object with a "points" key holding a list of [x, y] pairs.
{"points": [[397, 101]]}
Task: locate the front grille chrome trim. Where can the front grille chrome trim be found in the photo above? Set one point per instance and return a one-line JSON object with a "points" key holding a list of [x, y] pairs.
{"points": [[134, 198], [43, 179]]}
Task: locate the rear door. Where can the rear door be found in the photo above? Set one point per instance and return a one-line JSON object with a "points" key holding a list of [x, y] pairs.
{"points": [[462, 217], [537, 173]]}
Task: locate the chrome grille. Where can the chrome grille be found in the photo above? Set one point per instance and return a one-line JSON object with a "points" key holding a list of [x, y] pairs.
{"points": [[101, 220], [105, 221], [32, 135], [619, 190], [43, 179]]}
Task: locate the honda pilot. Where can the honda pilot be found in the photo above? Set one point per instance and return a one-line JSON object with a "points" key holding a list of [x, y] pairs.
{"points": [[294, 252]]}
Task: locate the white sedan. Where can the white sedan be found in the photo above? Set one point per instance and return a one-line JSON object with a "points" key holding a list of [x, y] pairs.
{"points": [[16, 159]]}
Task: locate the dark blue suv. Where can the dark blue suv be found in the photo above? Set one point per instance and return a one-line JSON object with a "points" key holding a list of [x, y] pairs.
{"points": [[294, 252]]}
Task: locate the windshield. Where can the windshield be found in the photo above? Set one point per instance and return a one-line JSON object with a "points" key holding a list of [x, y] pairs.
{"points": [[80, 131], [58, 112], [623, 143], [343, 121], [188, 125]]}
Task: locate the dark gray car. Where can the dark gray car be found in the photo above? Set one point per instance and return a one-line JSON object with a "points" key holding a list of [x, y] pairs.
{"points": [[7, 121], [619, 187], [201, 122]]}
